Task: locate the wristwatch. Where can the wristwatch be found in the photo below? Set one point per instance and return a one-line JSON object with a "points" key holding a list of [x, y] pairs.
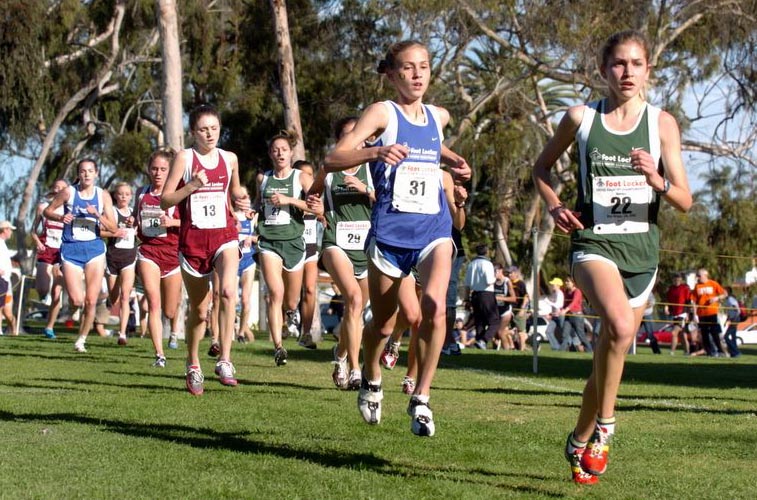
{"points": [[665, 187]]}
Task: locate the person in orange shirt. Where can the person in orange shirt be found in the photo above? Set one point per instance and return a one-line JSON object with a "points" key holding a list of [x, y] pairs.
{"points": [[706, 297]]}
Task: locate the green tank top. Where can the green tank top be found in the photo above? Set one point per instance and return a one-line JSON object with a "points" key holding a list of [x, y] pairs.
{"points": [[348, 212], [283, 222], [618, 208]]}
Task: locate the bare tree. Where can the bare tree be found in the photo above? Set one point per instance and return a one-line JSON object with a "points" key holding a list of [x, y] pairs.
{"points": [[97, 83], [171, 85], [286, 74]]}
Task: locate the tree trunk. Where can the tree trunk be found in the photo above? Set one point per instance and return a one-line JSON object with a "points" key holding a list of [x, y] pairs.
{"points": [[31, 183], [286, 75], [168, 25]]}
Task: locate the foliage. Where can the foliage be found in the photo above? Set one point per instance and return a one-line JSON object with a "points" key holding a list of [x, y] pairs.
{"points": [[505, 70]]}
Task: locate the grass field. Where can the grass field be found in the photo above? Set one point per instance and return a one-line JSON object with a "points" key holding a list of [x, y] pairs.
{"points": [[106, 425]]}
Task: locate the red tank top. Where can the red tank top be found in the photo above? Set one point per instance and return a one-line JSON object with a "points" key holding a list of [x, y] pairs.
{"points": [[148, 215], [207, 208], [52, 231]]}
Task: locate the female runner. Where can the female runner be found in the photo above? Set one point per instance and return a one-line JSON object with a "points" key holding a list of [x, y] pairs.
{"points": [[630, 159], [410, 221]]}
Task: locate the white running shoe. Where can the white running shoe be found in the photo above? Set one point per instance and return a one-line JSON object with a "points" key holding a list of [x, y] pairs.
{"points": [[369, 402], [339, 375], [353, 383], [226, 371], [79, 345], [421, 418]]}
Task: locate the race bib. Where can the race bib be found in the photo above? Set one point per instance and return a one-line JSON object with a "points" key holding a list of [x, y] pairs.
{"points": [[621, 204], [276, 216], [350, 235], [83, 229], [416, 188], [127, 242], [150, 223], [208, 209], [310, 235], [53, 238]]}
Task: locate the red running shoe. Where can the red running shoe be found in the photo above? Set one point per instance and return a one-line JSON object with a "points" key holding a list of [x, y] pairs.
{"points": [[390, 355], [580, 476], [594, 461]]}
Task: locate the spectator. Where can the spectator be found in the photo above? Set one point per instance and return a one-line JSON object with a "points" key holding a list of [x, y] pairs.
{"points": [[733, 315], [465, 337], [573, 331], [505, 296], [556, 301], [647, 323], [751, 276], [696, 347], [675, 308], [479, 283], [6, 292], [520, 308], [706, 298]]}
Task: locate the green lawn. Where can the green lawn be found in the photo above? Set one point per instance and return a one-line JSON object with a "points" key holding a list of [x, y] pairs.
{"points": [[106, 425]]}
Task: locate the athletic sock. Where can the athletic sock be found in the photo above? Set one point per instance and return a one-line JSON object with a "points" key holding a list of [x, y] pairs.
{"points": [[421, 398], [574, 444], [607, 423]]}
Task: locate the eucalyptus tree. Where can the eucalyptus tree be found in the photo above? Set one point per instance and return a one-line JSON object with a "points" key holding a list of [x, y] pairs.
{"points": [[540, 56]]}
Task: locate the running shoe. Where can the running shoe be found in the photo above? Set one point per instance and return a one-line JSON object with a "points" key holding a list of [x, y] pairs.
{"points": [[390, 355], [293, 323], [173, 341], [306, 341], [408, 385], [195, 380], [79, 345], [280, 356], [353, 383], [215, 350], [594, 461], [49, 333], [160, 362], [369, 401], [421, 418], [225, 371], [122, 340], [339, 375], [580, 476]]}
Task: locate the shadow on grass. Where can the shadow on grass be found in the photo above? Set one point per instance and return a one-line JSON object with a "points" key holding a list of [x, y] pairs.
{"points": [[209, 439], [77, 357], [119, 385], [717, 373], [242, 381]]}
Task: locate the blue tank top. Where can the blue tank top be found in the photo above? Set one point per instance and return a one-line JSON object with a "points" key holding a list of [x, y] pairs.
{"points": [[246, 230], [411, 209], [84, 227]]}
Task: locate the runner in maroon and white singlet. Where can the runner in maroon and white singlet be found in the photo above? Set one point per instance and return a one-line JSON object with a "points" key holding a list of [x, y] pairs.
{"points": [[158, 254], [49, 279], [199, 183]]}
